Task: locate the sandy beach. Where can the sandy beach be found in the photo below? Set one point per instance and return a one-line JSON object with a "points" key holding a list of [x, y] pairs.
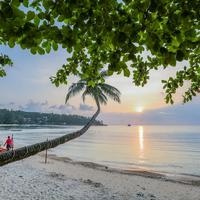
{"points": [[62, 178]]}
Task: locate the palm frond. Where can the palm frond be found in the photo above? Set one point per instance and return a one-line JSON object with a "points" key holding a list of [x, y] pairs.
{"points": [[85, 93], [111, 92], [99, 96], [96, 94], [74, 89]]}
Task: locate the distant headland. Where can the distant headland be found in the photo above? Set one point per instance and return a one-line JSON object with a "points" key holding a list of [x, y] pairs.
{"points": [[22, 117]]}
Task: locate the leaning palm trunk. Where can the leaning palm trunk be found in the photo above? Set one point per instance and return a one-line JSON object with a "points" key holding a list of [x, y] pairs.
{"points": [[27, 151]]}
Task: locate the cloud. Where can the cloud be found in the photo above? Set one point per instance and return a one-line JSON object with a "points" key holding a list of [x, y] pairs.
{"points": [[11, 103], [62, 109], [33, 106], [45, 103], [85, 107]]}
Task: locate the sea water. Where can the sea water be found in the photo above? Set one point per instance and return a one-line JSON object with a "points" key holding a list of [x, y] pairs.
{"points": [[170, 149]]}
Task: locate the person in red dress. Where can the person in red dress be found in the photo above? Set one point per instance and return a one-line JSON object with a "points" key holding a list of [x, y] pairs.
{"points": [[8, 143]]}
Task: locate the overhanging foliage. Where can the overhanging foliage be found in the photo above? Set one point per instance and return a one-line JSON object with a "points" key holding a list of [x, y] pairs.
{"points": [[109, 34]]}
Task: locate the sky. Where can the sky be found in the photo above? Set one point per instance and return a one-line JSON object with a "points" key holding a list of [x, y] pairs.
{"points": [[27, 87]]}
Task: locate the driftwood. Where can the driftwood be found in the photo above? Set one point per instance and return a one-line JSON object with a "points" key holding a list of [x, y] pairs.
{"points": [[27, 151]]}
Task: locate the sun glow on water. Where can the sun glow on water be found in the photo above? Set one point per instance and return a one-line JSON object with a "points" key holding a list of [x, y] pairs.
{"points": [[141, 143], [141, 138]]}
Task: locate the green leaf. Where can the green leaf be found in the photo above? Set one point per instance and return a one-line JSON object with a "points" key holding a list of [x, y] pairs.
{"points": [[163, 81], [172, 59], [45, 44], [36, 20], [25, 3], [126, 72], [15, 3], [55, 46], [48, 48], [11, 43], [180, 55], [30, 15], [40, 51], [91, 83], [61, 18], [33, 50]]}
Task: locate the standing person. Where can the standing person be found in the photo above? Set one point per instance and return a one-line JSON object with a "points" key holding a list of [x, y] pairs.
{"points": [[8, 143]]}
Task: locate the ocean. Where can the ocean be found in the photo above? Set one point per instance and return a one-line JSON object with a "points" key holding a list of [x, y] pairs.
{"points": [[167, 149]]}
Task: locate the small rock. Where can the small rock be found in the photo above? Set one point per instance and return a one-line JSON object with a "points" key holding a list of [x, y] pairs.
{"points": [[140, 194], [88, 181], [152, 196], [97, 184]]}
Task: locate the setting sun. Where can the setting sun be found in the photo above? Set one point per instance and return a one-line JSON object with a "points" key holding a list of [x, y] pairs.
{"points": [[139, 109]]}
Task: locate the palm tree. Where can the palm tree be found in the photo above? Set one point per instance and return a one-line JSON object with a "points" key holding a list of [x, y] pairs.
{"points": [[100, 93]]}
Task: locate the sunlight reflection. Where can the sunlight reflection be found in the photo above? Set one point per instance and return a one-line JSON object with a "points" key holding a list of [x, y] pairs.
{"points": [[141, 142], [141, 138]]}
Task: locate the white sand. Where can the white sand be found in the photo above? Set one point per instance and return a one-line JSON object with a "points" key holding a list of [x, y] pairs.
{"points": [[61, 179]]}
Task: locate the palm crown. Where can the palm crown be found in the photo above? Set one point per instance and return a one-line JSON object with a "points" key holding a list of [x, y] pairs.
{"points": [[100, 92]]}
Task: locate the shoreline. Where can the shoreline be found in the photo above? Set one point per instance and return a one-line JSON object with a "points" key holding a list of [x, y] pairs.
{"points": [[186, 179]]}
